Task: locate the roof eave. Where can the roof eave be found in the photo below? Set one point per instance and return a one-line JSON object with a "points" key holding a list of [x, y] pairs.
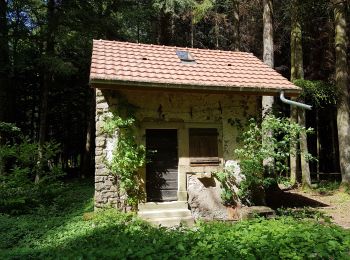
{"points": [[140, 85]]}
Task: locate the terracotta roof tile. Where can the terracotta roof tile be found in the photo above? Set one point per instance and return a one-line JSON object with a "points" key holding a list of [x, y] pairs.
{"points": [[132, 62]]}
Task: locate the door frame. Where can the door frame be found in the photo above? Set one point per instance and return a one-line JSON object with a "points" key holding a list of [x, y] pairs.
{"points": [[182, 153]]}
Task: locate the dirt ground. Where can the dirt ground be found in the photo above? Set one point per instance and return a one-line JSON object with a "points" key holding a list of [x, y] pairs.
{"points": [[335, 204]]}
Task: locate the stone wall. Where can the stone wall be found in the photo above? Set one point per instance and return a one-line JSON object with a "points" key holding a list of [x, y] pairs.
{"points": [[105, 186], [181, 111]]}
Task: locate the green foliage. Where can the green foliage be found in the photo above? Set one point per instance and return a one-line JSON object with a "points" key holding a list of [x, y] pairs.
{"points": [[304, 213], [18, 192], [8, 128], [64, 233], [128, 156], [57, 66], [258, 144], [327, 187], [284, 181], [173, 6], [228, 184], [318, 93], [201, 9]]}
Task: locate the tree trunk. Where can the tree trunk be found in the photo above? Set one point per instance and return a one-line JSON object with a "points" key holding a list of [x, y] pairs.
{"points": [[297, 72], [294, 148], [235, 25], [47, 81], [335, 150], [296, 47], [317, 132], [4, 63], [192, 31], [305, 169], [216, 30], [341, 76], [267, 101], [268, 55], [86, 165], [165, 33]]}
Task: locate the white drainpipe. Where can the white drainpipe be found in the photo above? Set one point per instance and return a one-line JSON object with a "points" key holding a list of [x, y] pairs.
{"points": [[294, 103]]}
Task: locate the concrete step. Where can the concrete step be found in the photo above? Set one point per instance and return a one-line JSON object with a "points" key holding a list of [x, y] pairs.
{"points": [[170, 222], [168, 213], [163, 205]]}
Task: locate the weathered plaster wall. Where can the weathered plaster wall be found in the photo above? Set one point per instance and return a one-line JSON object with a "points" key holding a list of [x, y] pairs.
{"points": [[160, 109], [160, 106]]}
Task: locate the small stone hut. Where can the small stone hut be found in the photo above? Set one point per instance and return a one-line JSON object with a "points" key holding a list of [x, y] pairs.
{"points": [[189, 102]]}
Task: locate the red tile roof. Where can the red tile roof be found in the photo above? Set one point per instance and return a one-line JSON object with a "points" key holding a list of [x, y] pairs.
{"points": [[136, 64]]}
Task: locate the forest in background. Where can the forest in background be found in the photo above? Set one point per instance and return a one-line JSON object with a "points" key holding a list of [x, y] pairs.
{"points": [[45, 55]]}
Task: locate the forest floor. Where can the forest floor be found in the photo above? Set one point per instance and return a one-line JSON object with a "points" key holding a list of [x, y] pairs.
{"points": [[69, 229], [326, 198], [337, 205]]}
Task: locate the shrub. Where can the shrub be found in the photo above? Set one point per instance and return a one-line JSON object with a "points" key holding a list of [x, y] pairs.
{"points": [[18, 192], [259, 144]]}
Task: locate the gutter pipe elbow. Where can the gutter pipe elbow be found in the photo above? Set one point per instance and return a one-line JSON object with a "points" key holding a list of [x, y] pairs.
{"points": [[294, 103]]}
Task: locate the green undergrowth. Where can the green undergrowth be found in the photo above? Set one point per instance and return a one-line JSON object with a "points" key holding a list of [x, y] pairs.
{"points": [[304, 213], [327, 187], [74, 232]]}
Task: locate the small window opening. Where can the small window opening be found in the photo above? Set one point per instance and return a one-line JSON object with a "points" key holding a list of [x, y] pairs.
{"points": [[185, 56], [203, 146], [144, 58]]}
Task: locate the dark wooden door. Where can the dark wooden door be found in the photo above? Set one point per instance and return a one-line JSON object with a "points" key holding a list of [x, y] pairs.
{"points": [[162, 166]]}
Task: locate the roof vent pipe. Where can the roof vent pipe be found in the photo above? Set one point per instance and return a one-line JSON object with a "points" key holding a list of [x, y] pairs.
{"points": [[293, 103]]}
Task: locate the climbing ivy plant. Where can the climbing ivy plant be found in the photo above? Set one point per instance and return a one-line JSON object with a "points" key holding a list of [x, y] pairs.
{"points": [[319, 93], [128, 156]]}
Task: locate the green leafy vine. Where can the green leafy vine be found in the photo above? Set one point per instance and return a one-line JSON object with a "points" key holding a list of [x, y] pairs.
{"points": [[253, 177], [128, 156]]}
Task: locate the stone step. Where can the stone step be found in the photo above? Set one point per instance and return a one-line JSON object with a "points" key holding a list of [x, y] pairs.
{"points": [[148, 206], [171, 222], [168, 213]]}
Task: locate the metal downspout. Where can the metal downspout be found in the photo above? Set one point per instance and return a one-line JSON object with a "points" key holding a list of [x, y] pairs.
{"points": [[293, 103]]}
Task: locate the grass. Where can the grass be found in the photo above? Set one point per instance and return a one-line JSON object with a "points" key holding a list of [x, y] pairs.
{"points": [[64, 231]]}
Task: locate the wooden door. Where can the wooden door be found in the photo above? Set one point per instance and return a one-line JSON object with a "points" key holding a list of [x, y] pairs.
{"points": [[162, 166]]}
